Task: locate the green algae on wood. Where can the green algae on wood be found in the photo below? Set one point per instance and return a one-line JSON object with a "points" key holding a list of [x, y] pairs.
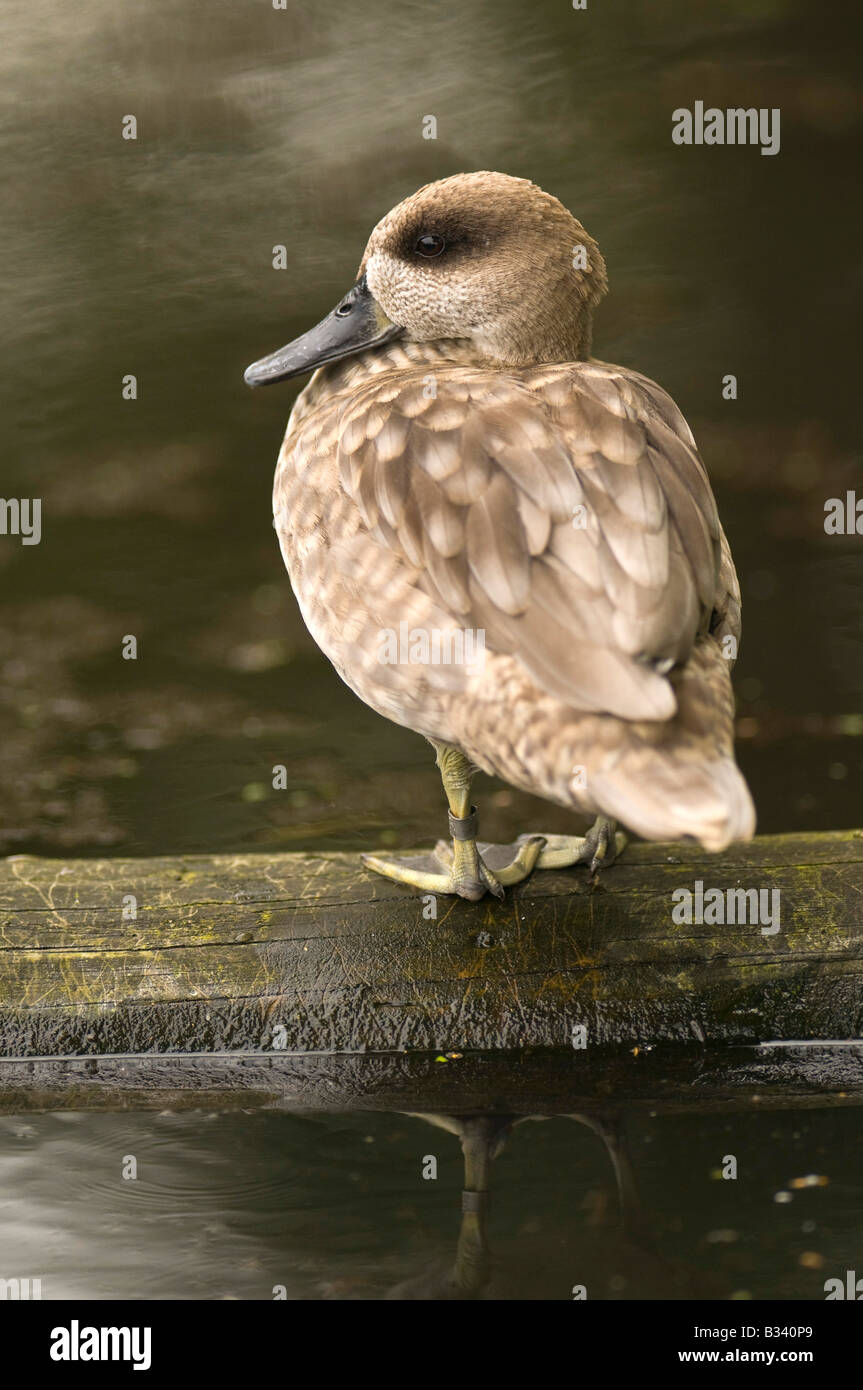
{"points": [[312, 953]]}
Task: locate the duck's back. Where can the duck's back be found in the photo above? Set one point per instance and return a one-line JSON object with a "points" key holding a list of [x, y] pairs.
{"points": [[560, 518]]}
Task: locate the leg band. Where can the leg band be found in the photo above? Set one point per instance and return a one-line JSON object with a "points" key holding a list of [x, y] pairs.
{"points": [[464, 827], [474, 1201]]}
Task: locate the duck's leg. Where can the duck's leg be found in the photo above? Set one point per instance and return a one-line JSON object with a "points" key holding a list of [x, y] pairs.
{"points": [[472, 868], [463, 869]]}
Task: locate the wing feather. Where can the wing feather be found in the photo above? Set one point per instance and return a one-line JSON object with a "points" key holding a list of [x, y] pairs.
{"points": [[563, 510]]}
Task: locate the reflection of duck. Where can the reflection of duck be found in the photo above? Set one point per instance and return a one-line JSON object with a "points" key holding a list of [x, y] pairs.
{"points": [[461, 468], [472, 1274], [635, 1226], [482, 1138]]}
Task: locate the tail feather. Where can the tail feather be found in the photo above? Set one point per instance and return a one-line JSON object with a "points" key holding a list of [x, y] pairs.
{"points": [[708, 801]]}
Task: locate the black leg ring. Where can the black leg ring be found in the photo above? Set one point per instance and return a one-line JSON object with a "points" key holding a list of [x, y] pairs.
{"points": [[474, 1201], [464, 827]]}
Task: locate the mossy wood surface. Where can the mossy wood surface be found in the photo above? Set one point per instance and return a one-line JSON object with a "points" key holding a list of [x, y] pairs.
{"points": [[276, 955]]}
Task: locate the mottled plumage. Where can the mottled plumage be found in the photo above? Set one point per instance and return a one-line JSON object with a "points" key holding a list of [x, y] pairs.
{"points": [[493, 480]]}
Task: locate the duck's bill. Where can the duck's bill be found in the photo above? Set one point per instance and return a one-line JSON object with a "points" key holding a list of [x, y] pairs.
{"points": [[356, 323]]}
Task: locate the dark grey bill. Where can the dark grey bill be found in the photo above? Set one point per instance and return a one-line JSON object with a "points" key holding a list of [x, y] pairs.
{"points": [[356, 323]]}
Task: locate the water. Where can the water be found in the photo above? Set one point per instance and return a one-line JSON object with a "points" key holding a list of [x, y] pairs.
{"points": [[234, 1205], [259, 127]]}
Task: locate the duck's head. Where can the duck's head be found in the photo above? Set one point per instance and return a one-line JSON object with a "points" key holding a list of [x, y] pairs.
{"points": [[483, 257]]}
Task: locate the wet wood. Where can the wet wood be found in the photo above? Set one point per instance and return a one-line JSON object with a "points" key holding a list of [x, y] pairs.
{"points": [[268, 956], [670, 1078]]}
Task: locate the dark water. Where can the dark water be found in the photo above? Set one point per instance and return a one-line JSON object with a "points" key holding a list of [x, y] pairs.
{"points": [[153, 257], [230, 1206]]}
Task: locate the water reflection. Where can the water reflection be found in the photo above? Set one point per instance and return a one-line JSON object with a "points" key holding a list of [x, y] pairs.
{"points": [[634, 1244], [627, 1204]]}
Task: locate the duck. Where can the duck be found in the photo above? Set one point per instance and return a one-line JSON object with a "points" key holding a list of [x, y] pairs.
{"points": [[506, 545]]}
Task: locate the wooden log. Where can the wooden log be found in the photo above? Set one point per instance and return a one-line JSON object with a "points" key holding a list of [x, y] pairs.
{"points": [[274, 958]]}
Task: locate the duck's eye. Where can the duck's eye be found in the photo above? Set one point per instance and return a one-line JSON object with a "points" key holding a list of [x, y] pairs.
{"points": [[430, 245]]}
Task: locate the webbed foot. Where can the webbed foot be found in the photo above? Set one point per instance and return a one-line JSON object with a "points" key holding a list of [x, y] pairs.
{"points": [[598, 848], [468, 868]]}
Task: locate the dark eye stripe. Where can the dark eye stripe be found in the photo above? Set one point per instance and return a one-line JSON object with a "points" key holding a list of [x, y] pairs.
{"points": [[430, 245]]}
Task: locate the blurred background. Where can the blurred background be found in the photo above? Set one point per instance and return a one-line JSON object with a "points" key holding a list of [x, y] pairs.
{"points": [[302, 127]]}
